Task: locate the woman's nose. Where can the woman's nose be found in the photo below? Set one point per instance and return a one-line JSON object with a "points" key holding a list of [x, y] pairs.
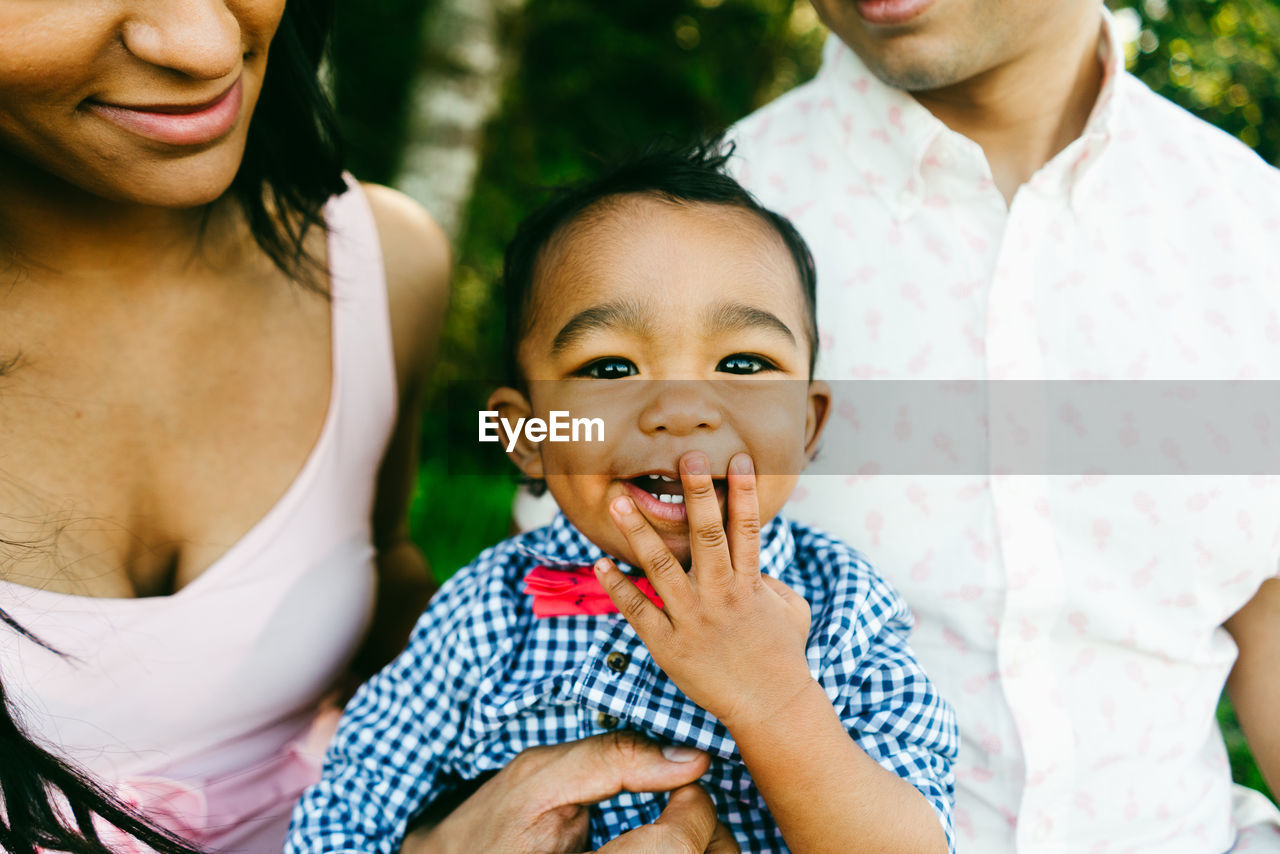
{"points": [[680, 407], [199, 38]]}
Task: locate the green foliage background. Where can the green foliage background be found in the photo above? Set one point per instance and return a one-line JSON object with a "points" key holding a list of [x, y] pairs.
{"points": [[597, 79]]}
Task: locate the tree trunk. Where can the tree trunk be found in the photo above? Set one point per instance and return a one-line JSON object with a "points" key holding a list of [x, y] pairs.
{"points": [[467, 55]]}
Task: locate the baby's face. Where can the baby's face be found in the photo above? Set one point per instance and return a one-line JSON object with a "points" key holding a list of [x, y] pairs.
{"points": [[682, 327]]}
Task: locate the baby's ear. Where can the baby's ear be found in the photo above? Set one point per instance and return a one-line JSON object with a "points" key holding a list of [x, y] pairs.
{"points": [[513, 407], [816, 418]]}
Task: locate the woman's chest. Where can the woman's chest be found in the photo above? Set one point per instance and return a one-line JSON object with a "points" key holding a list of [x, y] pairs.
{"points": [[139, 439]]}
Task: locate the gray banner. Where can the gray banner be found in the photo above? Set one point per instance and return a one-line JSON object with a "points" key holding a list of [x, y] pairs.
{"points": [[942, 427]]}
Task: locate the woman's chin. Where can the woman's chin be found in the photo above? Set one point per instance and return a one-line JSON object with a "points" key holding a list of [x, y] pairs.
{"points": [[176, 184], [136, 178]]}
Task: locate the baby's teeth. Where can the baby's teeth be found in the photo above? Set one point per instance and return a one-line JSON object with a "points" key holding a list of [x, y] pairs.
{"points": [[671, 499], [668, 479]]}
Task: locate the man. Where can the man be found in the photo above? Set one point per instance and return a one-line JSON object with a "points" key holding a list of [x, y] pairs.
{"points": [[989, 196]]}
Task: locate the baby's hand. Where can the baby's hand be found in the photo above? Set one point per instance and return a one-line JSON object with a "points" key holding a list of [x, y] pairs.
{"points": [[732, 639]]}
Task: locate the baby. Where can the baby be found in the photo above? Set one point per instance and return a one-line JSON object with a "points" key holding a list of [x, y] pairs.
{"points": [[665, 301]]}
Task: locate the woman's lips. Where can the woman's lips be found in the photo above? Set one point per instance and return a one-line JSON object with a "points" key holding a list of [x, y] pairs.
{"points": [[177, 124], [889, 13]]}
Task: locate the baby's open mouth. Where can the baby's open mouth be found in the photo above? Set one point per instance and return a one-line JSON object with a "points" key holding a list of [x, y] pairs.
{"points": [[669, 490], [666, 489]]}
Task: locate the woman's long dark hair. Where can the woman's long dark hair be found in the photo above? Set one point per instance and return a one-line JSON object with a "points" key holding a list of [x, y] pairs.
{"points": [[292, 159], [292, 164], [29, 775]]}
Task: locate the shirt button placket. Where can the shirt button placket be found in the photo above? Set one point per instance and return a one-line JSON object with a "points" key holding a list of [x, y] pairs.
{"points": [[1034, 585], [617, 662]]}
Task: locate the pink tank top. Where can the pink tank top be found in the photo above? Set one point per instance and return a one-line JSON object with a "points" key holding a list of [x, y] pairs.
{"points": [[201, 707]]}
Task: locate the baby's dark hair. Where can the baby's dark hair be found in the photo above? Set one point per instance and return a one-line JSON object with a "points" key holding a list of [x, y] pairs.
{"points": [[677, 174]]}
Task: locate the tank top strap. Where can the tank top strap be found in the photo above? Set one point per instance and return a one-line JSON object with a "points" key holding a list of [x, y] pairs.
{"points": [[365, 392]]}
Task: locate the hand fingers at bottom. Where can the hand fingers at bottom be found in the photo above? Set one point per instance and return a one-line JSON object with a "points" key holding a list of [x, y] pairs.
{"points": [[600, 766], [722, 842], [690, 815], [687, 826]]}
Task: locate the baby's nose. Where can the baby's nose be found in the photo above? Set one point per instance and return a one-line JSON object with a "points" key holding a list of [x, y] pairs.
{"points": [[681, 407]]}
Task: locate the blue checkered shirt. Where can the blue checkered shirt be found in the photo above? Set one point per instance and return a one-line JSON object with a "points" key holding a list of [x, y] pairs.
{"points": [[482, 679]]}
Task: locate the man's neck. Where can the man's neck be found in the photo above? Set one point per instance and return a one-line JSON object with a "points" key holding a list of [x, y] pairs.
{"points": [[1025, 111]]}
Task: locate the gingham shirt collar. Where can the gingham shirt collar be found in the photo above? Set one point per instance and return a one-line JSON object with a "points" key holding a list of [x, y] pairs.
{"points": [[919, 150], [560, 545]]}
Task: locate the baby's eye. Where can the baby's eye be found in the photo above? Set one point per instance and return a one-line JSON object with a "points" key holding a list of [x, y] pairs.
{"points": [[745, 363], [608, 368]]}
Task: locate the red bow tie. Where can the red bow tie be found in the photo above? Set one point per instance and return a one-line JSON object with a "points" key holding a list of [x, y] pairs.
{"points": [[565, 591]]}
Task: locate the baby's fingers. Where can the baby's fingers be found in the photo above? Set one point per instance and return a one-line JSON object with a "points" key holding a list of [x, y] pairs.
{"points": [[660, 566], [708, 544], [645, 617], [796, 604], [744, 516]]}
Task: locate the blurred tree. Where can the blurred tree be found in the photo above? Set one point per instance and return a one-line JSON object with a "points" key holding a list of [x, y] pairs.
{"points": [[467, 55], [417, 111], [374, 55], [597, 80], [1217, 58]]}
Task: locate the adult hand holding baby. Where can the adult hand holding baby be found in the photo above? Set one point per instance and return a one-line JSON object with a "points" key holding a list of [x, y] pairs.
{"points": [[541, 800]]}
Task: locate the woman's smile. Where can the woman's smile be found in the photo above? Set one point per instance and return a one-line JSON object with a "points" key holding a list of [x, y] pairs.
{"points": [[177, 124]]}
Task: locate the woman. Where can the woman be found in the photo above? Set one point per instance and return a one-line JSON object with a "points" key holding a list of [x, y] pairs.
{"points": [[211, 353], [209, 400]]}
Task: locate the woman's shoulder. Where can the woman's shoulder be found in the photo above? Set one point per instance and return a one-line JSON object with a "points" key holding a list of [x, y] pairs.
{"points": [[415, 249], [418, 261]]}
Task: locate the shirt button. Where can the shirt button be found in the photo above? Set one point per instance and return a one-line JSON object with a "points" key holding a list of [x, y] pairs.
{"points": [[606, 720], [617, 661]]}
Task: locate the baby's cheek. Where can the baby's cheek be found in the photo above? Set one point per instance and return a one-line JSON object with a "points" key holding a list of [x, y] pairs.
{"points": [[774, 490], [581, 459]]}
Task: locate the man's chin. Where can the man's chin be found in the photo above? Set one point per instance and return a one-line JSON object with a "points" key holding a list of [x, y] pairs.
{"points": [[912, 68]]}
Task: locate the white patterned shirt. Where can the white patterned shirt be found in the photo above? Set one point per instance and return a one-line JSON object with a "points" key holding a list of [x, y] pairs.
{"points": [[1073, 619]]}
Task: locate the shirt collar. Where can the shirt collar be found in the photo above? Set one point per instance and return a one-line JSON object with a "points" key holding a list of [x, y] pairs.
{"points": [[908, 142], [560, 545]]}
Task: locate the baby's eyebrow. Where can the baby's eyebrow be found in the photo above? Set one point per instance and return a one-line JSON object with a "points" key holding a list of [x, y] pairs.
{"points": [[735, 316], [627, 314]]}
